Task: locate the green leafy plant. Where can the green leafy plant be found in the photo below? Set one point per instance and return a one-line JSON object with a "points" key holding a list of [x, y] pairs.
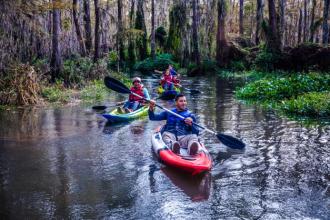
{"points": [[279, 88], [310, 104], [95, 91], [56, 93]]}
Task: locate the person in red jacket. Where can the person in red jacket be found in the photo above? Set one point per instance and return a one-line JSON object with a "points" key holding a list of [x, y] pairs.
{"points": [[134, 102], [167, 80]]}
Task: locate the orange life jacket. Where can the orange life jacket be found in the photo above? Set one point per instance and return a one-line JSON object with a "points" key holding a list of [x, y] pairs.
{"points": [[138, 91]]}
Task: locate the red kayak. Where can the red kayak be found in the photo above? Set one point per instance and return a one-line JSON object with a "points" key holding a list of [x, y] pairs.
{"points": [[196, 164]]}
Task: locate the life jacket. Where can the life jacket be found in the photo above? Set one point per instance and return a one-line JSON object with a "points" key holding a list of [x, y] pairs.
{"points": [[166, 79], [177, 125], [139, 91], [175, 80]]}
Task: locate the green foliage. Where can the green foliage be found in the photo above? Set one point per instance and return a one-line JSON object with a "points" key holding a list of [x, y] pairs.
{"points": [[206, 66], [299, 95], [41, 65], [160, 36], [56, 93], [121, 77], [266, 60], [76, 70], [237, 65], [310, 104], [112, 59], [279, 88], [95, 91], [160, 63]]}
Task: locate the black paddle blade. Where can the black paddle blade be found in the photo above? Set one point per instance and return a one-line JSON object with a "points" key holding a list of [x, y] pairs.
{"points": [[230, 141], [116, 85], [99, 107]]}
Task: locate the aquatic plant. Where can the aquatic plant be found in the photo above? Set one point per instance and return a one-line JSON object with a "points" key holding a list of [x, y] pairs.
{"points": [[279, 88], [310, 104]]}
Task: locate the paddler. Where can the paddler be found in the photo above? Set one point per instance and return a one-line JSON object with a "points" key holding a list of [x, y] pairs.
{"points": [[134, 102], [177, 132]]}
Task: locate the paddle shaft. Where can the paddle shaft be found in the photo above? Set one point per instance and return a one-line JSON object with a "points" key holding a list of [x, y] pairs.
{"points": [[173, 113], [180, 86]]}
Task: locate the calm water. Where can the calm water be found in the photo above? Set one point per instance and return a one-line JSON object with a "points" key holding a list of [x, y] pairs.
{"points": [[67, 162]]}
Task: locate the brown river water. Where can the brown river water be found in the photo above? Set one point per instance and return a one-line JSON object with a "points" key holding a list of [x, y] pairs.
{"points": [[68, 163]]}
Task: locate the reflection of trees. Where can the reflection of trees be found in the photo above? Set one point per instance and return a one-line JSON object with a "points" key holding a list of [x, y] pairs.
{"points": [[62, 195], [20, 124]]}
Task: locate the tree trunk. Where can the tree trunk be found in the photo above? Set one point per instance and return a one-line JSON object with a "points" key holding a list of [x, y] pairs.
{"points": [[222, 45], [260, 7], [56, 59], [312, 29], [305, 22], [120, 44], [140, 25], [325, 37], [274, 44], [153, 43], [282, 21], [299, 26], [97, 31], [241, 9], [77, 26], [196, 56], [131, 45], [105, 27], [88, 27]]}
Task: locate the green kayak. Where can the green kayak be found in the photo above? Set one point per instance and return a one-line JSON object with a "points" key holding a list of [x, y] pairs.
{"points": [[114, 116]]}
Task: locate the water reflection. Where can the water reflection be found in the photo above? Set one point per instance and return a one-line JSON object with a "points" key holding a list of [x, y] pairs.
{"points": [[196, 187], [62, 163]]}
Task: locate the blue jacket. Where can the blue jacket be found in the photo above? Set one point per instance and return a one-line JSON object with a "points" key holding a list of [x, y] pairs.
{"points": [[174, 124]]}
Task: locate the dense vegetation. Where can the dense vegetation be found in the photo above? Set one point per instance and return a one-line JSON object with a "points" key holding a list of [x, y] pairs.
{"points": [[303, 94], [66, 44]]}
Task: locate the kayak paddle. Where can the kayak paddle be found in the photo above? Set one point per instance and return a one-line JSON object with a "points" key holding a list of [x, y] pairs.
{"points": [[227, 140], [195, 91], [103, 107]]}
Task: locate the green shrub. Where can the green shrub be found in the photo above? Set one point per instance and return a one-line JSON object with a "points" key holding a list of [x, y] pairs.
{"points": [[76, 70], [266, 61], [279, 88], [112, 59], [95, 91], [41, 65], [237, 66], [309, 104], [55, 93], [160, 63]]}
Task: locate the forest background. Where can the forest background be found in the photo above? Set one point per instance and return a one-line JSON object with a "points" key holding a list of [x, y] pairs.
{"points": [[68, 43]]}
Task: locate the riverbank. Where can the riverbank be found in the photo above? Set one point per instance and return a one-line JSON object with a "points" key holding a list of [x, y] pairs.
{"points": [[295, 95], [27, 85]]}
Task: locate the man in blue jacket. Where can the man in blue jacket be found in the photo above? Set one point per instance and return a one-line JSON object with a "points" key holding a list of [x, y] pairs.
{"points": [[178, 132]]}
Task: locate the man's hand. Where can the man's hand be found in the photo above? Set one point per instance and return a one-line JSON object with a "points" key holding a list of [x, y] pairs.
{"points": [[152, 105], [188, 121]]}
